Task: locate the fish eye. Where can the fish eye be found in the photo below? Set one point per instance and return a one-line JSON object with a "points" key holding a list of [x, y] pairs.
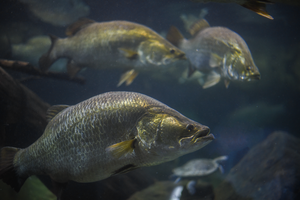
{"points": [[249, 68], [190, 127], [172, 51]]}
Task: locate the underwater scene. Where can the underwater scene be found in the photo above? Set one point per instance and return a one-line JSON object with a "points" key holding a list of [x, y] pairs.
{"points": [[149, 99]]}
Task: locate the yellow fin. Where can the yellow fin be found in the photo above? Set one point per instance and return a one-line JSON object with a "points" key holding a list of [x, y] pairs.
{"points": [[259, 7], [128, 76], [174, 36], [215, 60], [122, 148], [78, 25], [54, 110], [128, 53], [198, 26], [212, 79]]}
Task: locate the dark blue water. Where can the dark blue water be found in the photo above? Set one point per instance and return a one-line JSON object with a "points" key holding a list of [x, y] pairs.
{"points": [[240, 117]]}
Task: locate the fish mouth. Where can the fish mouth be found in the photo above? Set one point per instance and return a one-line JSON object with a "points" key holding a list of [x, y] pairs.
{"points": [[254, 77], [203, 135], [182, 56]]}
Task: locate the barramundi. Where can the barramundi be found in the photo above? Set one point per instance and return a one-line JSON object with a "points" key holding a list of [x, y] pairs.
{"points": [[112, 45], [216, 52], [108, 134]]}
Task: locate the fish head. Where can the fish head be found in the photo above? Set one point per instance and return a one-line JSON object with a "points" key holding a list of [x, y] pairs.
{"points": [[159, 52], [168, 134], [239, 65]]}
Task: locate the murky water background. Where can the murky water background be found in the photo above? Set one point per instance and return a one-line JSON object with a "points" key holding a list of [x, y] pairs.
{"points": [[240, 117]]}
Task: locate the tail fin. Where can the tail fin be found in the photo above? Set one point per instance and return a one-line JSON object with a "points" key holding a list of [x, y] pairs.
{"points": [[45, 61], [8, 172]]}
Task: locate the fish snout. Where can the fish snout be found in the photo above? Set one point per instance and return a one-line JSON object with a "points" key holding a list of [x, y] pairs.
{"points": [[254, 76], [203, 134], [204, 131], [182, 56]]}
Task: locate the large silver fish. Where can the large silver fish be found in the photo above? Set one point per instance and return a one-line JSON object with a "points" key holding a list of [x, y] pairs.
{"points": [[108, 134], [216, 52], [111, 45]]}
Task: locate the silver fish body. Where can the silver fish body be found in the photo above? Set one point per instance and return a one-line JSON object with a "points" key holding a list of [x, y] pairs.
{"points": [[216, 52], [111, 45], [108, 134]]}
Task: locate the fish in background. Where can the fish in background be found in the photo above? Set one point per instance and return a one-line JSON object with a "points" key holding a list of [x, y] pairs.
{"points": [[106, 135], [258, 6], [216, 52], [58, 13], [112, 45], [33, 49], [199, 167], [189, 20]]}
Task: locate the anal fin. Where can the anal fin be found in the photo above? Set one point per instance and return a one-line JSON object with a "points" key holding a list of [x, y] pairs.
{"points": [[72, 69]]}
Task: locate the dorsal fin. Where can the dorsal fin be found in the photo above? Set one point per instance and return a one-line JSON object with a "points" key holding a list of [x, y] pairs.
{"points": [[174, 36], [198, 26], [54, 110], [78, 25]]}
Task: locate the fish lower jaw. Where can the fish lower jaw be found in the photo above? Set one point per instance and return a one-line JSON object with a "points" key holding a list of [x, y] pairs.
{"points": [[205, 138]]}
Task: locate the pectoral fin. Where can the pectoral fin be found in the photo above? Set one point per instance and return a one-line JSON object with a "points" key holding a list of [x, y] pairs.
{"points": [[259, 7], [215, 60], [127, 77], [212, 79], [122, 148], [128, 53]]}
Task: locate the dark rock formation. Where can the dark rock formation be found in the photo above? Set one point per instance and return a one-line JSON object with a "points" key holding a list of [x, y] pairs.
{"points": [[269, 171], [162, 190]]}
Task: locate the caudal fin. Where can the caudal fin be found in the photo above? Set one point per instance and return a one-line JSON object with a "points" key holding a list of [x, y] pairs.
{"points": [[8, 173], [45, 60]]}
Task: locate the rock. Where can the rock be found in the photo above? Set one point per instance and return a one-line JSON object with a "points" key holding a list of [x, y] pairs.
{"points": [[269, 171], [162, 190]]}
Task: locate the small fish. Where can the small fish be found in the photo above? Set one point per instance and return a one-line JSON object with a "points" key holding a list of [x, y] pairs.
{"points": [[58, 13], [111, 45], [258, 6], [108, 134], [199, 167], [216, 52]]}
